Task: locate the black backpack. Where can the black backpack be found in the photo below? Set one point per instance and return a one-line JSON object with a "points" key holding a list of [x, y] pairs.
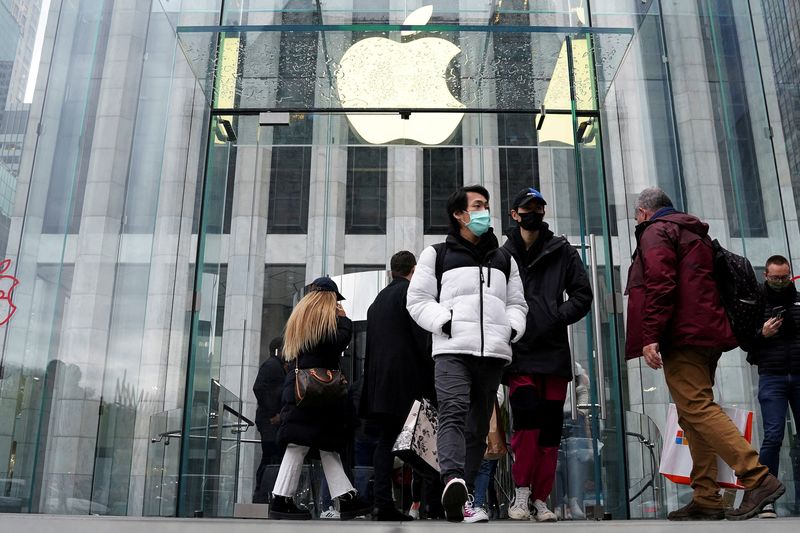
{"points": [[741, 294]]}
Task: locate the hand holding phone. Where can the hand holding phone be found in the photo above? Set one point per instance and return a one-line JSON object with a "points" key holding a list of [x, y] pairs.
{"points": [[777, 312]]}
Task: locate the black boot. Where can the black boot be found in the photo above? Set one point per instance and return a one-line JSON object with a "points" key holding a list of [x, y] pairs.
{"points": [[390, 514], [283, 508], [350, 506]]}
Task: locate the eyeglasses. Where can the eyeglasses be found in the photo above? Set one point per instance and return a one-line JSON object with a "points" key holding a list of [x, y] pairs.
{"points": [[779, 278]]}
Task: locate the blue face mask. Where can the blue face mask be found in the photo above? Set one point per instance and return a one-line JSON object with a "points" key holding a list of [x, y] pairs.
{"points": [[479, 222]]}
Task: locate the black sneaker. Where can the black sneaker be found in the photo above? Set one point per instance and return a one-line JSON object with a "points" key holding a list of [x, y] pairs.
{"points": [[283, 508], [454, 496], [693, 511], [351, 506], [768, 512], [390, 514]]}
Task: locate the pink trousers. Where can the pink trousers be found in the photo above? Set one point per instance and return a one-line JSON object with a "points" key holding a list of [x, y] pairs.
{"points": [[537, 430]]}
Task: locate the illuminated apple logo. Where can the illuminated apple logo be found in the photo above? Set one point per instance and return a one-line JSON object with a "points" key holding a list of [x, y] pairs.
{"points": [[379, 73]]}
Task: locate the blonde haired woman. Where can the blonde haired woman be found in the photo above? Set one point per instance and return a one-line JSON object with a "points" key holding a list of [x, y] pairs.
{"points": [[316, 335]]}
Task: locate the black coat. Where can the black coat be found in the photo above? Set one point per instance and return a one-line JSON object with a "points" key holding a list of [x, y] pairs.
{"points": [[268, 389], [323, 428], [779, 354], [548, 270], [398, 367]]}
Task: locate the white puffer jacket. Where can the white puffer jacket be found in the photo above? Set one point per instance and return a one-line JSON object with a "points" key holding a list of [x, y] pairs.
{"points": [[482, 304]]}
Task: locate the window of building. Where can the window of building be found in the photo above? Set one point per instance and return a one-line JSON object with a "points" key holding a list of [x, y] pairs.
{"points": [[366, 190], [290, 175], [78, 115], [443, 173], [283, 287], [352, 269], [741, 182], [519, 163], [289, 184], [516, 134]]}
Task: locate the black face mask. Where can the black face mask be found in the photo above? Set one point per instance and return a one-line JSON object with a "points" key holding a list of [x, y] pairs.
{"points": [[531, 221]]}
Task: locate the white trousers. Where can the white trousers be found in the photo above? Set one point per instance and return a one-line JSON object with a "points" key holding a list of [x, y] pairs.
{"points": [[292, 465]]}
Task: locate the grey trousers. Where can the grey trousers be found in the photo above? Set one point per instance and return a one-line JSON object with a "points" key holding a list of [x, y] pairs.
{"points": [[466, 387]]}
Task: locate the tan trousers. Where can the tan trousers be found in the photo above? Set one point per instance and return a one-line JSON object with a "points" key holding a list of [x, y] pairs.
{"points": [[689, 372]]}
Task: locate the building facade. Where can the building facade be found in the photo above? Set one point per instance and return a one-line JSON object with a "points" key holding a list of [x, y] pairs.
{"points": [[186, 167]]}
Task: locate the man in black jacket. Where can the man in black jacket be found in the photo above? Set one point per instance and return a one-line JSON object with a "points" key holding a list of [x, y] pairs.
{"points": [[268, 388], [541, 367], [398, 369], [777, 354]]}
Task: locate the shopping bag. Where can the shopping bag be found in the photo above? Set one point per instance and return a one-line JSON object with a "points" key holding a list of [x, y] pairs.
{"points": [[416, 443], [676, 461], [496, 438]]}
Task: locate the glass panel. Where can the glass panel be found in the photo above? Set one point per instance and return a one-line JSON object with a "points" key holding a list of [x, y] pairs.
{"points": [[349, 76], [646, 492], [211, 282], [163, 459]]}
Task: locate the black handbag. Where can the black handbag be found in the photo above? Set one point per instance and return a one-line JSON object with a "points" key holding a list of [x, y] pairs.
{"points": [[314, 387]]}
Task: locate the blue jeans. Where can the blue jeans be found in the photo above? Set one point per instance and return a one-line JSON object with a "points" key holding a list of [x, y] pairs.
{"points": [[482, 480], [776, 394]]}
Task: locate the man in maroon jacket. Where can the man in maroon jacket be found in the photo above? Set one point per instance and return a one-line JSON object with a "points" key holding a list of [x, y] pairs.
{"points": [[676, 321]]}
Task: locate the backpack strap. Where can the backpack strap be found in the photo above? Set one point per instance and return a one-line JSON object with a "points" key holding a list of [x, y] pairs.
{"points": [[441, 251]]}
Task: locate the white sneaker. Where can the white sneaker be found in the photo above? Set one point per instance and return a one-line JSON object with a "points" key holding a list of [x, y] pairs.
{"points": [[768, 512], [541, 513], [413, 512], [518, 510], [474, 514], [330, 514], [575, 510]]}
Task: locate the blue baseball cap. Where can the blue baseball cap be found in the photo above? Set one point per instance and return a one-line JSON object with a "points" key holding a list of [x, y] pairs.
{"points": [[326, 284], [526, 196]]}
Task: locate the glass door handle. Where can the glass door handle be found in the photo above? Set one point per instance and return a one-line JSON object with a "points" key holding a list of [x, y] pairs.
{"points": [[573, 392], [598, 328]]}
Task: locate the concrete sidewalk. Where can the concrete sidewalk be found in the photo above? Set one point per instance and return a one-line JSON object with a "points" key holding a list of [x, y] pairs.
{"points": [[29, 523]]}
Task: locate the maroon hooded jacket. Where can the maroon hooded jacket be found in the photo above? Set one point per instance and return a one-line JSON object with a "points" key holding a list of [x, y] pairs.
{"points": [[672, 296]]}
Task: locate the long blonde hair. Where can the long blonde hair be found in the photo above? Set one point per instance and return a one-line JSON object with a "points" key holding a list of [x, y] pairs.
{"points": [[311, 321]]}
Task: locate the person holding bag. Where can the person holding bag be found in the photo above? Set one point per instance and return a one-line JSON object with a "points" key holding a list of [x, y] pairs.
{"points": [[315, 414]]}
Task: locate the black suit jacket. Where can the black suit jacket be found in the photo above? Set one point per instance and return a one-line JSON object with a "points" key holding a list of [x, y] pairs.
{"points": [[398, 367], [268, 388]]}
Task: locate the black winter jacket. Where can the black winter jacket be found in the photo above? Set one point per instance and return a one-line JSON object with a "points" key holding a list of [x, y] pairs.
{"points": [[552, 269], [398, 367], [779, 354], [325, 428], [268, 389]]}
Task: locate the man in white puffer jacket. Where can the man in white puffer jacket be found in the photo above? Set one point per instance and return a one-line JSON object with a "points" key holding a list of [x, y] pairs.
{"points": [[467, 291]]}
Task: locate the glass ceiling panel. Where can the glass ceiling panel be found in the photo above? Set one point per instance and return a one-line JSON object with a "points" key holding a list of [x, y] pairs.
{"points": [[447, 68]]}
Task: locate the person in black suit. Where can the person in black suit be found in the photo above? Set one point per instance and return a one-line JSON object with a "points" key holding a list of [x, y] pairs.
{"points": [[398, 369], [268, 388]]}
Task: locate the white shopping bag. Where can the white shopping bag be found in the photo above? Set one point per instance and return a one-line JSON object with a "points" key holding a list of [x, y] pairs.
{"points": [[676, 462], [416, 444]]}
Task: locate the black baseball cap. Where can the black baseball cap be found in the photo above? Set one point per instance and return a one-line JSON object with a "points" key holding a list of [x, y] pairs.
{"points": [[326, 284], [525, 196]]}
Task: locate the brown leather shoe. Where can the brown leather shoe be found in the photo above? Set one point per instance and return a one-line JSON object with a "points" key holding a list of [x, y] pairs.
{"points": [[693, 511], [757, 498]]}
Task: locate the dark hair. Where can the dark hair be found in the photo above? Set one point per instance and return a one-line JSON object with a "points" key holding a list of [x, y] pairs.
{"points": [[458, 202], [402, 263], [275, 344], [776, 260]]}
